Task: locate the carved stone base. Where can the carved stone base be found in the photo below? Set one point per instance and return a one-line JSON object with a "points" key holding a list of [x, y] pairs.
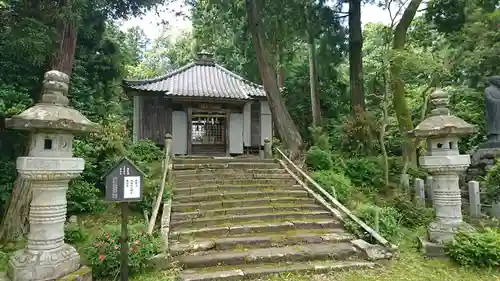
{"points": [[431, 249], [29, 265], [442, 232]]}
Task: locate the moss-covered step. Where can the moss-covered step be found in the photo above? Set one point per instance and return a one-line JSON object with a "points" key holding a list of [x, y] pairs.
{"points": [[240, 203], [235, 181], [285, 238], [242, 175], [251, 271], [253, 227], [242, 219], [230, 165], [319, 251], [180, 191], [239, 196], [180, 160], [183, 173], [244, 211]]}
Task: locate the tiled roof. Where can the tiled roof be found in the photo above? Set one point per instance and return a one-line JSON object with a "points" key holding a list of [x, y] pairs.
{"points": [[203, 78]]}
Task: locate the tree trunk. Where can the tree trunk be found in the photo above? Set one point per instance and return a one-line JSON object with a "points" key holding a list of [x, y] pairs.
{"points": [[355, 56], [313, 81], [397, 84], [281, 117], [15, 222]]}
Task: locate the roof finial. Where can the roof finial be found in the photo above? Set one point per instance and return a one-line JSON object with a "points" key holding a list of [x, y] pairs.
{"points": [[439, 103], [205, 58], [55, 88]]}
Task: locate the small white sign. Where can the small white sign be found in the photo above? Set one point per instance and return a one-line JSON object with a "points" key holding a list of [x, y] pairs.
{"points": [[132, 187]]}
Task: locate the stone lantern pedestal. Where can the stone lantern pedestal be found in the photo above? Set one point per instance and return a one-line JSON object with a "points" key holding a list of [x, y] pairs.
{"points": [[49, 166], [445, 163]]}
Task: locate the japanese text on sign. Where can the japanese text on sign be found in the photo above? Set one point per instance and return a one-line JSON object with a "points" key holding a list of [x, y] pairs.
{"points": [[132, 187]]}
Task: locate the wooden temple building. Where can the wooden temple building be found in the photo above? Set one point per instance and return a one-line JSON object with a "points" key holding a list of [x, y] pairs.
{"points": [[208, 109]]}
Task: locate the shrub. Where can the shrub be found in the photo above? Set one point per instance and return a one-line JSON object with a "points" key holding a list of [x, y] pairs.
{"points": [[103, 253], [143, 153], [318, 159], [73, 234], [365, 172], [388, 221], [491, 183], [412, 215], [330, 180], [83, 197], [479, 249]]}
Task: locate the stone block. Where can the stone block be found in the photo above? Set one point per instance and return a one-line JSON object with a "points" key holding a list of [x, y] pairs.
{"points": [[82, 274], [431, 249]]}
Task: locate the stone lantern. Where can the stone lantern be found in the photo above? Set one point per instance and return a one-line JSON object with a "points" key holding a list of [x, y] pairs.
{"points": [[445, 163], [49, 166]]}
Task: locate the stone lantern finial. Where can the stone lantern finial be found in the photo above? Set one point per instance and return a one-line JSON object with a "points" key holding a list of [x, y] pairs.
{"points": [[55, 88], [439, 102]]}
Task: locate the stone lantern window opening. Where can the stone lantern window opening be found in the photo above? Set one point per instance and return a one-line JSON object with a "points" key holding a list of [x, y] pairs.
{"points": [[47, 143]]}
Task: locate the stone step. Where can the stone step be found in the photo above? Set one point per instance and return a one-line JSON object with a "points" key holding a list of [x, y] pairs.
{"points": [[243, 203], [237, 175], [320, 251], [239, 195], [231, 165], [295, 237], [211, 160], [268, 227], [176, 216], [242, 219], [235, 181], [252, 271], [187, 173], [180, 191]]}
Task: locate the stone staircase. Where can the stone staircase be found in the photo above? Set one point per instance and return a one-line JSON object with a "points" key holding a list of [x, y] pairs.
{"points": [[243, 218]]}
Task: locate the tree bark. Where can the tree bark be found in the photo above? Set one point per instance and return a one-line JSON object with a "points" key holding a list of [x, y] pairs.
{"points": [[15, 222], [397, 84], [313, 81], [355, 56], [281, 117]]}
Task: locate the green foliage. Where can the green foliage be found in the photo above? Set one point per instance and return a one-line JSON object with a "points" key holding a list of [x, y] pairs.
{"points": [[412, 215], [491, 183], [318, 159], [478, 249], [103, 252], [389, 219], [73, 234], [365, 172], [320, 139], [338, 185], [83, 197]]}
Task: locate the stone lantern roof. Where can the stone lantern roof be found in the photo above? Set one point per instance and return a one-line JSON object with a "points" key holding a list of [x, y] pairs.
{"points": [[440, 123], [52, 113]]}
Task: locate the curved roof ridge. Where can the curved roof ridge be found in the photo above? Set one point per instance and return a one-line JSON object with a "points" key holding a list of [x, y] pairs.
{"points": [[250, 83], [160, 78]]}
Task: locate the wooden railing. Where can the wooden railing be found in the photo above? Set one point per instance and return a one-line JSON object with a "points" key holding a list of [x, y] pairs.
{"points": [[166, 178], [330, 200]]}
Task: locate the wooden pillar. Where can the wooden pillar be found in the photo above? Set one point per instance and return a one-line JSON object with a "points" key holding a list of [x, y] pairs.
{"points": [[168, 116], [136, 122], [228, 116], [189, 130]]}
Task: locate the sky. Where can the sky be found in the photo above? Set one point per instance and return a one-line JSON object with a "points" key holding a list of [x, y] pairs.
{"points": [[150, 21]]}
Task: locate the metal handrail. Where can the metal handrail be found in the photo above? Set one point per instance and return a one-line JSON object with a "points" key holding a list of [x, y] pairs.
{"points": [[336, 203]]}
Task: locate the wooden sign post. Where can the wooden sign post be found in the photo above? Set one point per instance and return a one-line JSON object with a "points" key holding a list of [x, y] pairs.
{"points": [[123, 185]]}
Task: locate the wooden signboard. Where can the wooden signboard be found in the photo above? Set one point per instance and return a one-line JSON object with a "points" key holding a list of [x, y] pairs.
{"points": [[124, 183]]}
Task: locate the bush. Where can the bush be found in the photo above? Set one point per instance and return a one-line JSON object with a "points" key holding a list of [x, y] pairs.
{"points": [[73, 234], [330, 180], [491, 183], [83, 197], [365, 172], [388, 221], [479, 249], [103, 253], [412, 215], [318, 159]]}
